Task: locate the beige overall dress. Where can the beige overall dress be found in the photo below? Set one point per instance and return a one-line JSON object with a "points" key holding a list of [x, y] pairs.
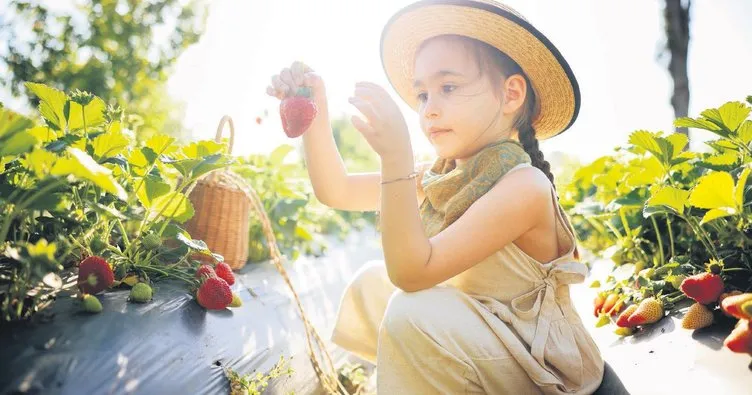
{"points": [[505, 326]]}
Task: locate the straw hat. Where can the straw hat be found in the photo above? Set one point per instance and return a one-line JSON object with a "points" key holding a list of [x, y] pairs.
{"points": [[551, 77]]}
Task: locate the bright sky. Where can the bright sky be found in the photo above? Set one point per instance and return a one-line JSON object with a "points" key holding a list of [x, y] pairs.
{"points": [[611, 46]]}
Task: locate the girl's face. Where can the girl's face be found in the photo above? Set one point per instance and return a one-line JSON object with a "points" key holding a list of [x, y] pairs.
{"points": [[459, 109]]}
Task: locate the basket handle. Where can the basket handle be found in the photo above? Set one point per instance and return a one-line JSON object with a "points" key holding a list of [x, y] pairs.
{"points": [[218, 138]]}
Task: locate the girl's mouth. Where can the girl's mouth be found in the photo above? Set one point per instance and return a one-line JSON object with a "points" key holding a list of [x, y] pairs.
{"points": [[436, 132]]}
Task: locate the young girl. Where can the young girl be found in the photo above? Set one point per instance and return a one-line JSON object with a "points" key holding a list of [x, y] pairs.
{"points": [[473, 293]]}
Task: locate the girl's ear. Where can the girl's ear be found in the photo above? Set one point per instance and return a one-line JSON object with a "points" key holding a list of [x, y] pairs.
{"points": [[514, 90]]}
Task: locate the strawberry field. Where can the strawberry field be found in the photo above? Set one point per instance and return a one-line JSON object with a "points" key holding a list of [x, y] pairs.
{"points": [[676, 223], [90, 213], [79, 193]]}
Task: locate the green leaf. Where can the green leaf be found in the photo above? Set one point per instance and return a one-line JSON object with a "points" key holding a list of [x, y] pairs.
{"points": [[740, 188], [150, 155], [662, 148], [12, 122], [714, 116], [745, 132], [43, 134], [17, 144], [678, 141], [685, 122], [724, 161], [210, 163], [94, 114], [630, 200], [647, 141], [48, 201], [40, 161], [197, 245], [162, 144], [186, 166], [81, 165], [733, 114], [669, 197], [109, 144], [682, 158], [277, 156], [150, 189], [714, 190], [716, 213], [174, 205], [645, 172], [51, 105], [201, 149]]}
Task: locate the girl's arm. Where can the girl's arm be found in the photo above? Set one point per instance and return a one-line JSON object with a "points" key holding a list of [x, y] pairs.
{"points": [[331, 183], [513, 207]]}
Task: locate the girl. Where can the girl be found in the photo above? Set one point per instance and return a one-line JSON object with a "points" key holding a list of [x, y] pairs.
{"points": [[473, 293]]}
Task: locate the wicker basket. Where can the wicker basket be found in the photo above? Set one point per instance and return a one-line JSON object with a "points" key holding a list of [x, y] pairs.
{"points": [[222, 211]]}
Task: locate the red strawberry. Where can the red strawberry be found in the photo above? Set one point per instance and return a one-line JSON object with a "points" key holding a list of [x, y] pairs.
{"points": [[224, 271], [598, 304], [623, 320], [214, 294], [94, 275], [704, 288], [740, 339], [297, 112], [649, 311], [732, 305], [205, 271]]}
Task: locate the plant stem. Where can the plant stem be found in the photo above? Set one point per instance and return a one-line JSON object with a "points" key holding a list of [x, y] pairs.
{"points": [[660, 241], [737, 269], [670, 234], [83, 114], [126, 241]]}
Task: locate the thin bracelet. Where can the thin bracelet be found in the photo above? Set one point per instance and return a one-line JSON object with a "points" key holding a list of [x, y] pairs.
{"points": [[408, 177]]}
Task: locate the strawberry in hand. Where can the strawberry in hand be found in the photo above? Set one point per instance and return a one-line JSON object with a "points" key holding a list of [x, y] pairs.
{"points": [[297, 112]]}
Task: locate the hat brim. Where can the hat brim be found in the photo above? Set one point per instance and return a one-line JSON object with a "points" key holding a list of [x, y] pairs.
{"points": [[551, 77]]}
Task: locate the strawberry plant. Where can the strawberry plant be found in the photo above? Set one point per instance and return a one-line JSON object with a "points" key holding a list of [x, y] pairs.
{"points": [[676, 223], [77, 186], [298, 220]]}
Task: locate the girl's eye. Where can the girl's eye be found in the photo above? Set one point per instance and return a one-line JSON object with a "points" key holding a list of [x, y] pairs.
{"points": [[422, 97], [448, 88]]}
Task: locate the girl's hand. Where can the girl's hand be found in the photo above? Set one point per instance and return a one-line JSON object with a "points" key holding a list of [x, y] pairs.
{"points": [[287, 82], [384, 128]]}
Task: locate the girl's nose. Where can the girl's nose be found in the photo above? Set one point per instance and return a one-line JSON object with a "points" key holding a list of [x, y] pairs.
{"points": [[432, 109]]}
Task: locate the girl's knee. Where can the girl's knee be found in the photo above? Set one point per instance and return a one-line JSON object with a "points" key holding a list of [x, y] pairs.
{"points": [[410, 311]]}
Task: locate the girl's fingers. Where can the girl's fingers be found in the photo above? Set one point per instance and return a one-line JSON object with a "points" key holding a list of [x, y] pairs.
{"points": [[362, 126], [373, 89], [365, 107], [286, 76], [279, 86], [298, 70]]}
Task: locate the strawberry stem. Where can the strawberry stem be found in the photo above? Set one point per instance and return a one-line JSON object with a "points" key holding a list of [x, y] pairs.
{"points": [[303, 91]]}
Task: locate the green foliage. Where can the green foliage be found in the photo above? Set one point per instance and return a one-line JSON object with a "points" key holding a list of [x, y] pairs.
{"points": [[256, 384], [80, 185], [118, 50], [299, 221], [652, 205], [358, 156]]}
